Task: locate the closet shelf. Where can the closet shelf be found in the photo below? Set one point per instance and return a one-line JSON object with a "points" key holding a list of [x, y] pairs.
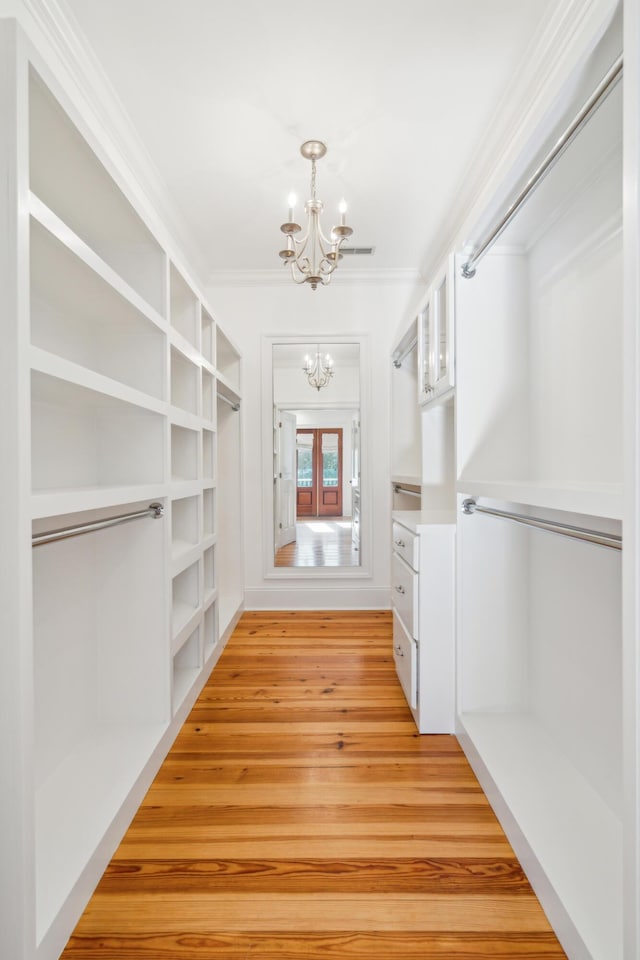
{"points": [[190, 421], [594, 500], [59, 229], [62, 502], [185, 346], [182, 615], [568, 827], [224, 387], [85, 780], [73, 373]]}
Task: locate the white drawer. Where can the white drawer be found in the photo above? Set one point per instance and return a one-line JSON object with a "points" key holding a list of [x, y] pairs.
{"points": [[405, 655], [406, 543], [404, 593]]}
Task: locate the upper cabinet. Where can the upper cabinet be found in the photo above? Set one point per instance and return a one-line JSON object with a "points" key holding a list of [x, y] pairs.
{"points": [[436, 363]]}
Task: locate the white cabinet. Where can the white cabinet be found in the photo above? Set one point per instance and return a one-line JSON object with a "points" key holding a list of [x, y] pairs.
{"points": [[436, 360], [422, 597], [109, 390]]}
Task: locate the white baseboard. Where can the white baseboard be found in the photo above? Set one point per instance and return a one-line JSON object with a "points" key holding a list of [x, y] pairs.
{"points": [[320, 597]]}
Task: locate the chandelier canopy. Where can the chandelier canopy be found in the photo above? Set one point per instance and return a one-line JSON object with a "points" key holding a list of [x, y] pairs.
{"points": [[313, 257], [318, 369]]}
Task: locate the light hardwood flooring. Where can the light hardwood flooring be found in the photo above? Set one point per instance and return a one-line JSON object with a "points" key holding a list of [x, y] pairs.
{"points": [[320, 542], [300, 815]]}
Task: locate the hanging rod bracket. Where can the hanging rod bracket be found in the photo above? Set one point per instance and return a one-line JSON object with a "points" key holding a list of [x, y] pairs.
{"points": [[469, 505], [467, 271], [158, 510]]}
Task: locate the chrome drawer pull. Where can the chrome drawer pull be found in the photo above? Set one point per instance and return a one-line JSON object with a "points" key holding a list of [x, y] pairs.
{"points": [[399, 543], [400, 589]]}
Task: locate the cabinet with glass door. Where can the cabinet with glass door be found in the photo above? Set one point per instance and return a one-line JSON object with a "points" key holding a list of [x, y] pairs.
{"points": [[435, 338]]}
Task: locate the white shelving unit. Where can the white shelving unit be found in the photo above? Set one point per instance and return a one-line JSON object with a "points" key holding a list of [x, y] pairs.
{"points": [[229, 480], [110, 394], [539, 431]]}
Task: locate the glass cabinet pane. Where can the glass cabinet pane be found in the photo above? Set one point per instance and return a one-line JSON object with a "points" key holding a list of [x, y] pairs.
{"points": [[425, 351], [330, 459]]}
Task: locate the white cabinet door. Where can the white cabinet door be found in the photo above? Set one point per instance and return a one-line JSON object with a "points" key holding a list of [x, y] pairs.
{"points": [[435, 338]]}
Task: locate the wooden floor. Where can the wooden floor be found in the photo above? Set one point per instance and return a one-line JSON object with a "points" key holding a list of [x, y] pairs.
{"points": [[300, 815], [320, 542]]}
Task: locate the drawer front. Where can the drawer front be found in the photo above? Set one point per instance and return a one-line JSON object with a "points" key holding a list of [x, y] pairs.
{"points": [[405, 544], [404, 593], [405, 655]]}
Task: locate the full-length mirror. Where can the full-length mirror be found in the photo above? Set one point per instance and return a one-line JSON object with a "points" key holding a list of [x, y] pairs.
{"points": [[316, 454]]}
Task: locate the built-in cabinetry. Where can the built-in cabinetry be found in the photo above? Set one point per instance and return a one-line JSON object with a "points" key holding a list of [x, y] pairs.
{"points": [[110, 405], [230, 483], [435, 325], [540, 433], [422, 597]]}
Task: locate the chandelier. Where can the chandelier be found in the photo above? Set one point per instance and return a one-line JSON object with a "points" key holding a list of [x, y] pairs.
{"points": [[319, 370], [313, 257]]}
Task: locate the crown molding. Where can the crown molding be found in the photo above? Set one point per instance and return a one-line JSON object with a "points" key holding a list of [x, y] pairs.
{"points": [[275, 277]]}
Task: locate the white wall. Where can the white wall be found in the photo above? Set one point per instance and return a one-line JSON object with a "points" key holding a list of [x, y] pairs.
{"points": [[343, 309]]}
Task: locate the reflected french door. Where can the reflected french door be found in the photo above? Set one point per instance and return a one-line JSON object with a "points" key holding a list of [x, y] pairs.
{"points": [[319, 472]]}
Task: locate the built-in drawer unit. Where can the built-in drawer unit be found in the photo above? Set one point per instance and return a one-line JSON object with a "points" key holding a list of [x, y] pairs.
{"points": [[406, 544], [404, 594], [405, 655], [422, 599]]}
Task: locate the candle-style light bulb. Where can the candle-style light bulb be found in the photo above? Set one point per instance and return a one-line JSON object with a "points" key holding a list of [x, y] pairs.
{"points": [[342, 207], [292, 204]]}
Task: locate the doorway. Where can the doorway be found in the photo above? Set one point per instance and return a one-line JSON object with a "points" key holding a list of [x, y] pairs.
{"points": [[319, 472]]}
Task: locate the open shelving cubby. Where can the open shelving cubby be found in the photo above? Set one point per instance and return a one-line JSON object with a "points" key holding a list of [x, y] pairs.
{"points": [[208, 337], [227, 361], [184, 453], [185, 526], [209, 563], [67, 175], [209, 511], [77, 315], [208, 396], [187, 664], [185, 594], [184, 308], [210, 630], [81, 438], [185, 382]]}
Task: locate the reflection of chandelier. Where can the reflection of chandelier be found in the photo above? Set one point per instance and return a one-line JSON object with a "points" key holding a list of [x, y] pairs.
{"points": [[319, 370], [313, 258]]}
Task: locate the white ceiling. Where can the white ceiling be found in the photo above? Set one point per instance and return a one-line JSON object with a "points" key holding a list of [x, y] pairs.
{"points": [[223, 92]]}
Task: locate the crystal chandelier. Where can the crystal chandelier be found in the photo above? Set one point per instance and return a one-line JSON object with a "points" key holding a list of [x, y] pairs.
{"points": [[319, 370], [313, 257]]}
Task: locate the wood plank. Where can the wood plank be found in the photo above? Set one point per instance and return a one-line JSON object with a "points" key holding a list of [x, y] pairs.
{"points": [[299, 814]]}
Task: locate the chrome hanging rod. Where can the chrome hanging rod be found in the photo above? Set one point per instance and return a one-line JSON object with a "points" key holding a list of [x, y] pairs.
{"points": [[398, 488], [564, 529], [234, 404], [403, 351], [154, 510], [602, 91]]}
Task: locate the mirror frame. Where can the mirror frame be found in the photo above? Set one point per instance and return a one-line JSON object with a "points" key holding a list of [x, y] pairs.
{"points": [[364, 570]]}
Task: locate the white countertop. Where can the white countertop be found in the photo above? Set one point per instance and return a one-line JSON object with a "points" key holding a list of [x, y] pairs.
{"points": [[415, 519]]}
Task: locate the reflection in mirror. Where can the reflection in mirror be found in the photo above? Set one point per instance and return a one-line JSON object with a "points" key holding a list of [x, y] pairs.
{"points": [[316, 453]]}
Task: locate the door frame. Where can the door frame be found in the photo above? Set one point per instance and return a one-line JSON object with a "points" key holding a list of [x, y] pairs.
{"points": [[317, 507], [336, 575]]}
